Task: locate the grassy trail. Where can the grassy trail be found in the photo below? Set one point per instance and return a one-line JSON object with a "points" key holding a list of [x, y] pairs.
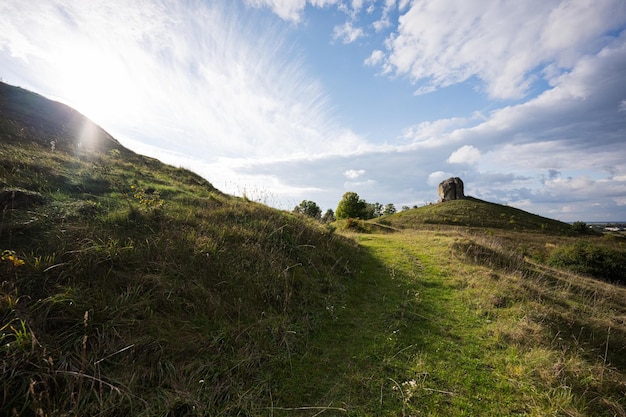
{"points": [[424, 332], [406, 341]]}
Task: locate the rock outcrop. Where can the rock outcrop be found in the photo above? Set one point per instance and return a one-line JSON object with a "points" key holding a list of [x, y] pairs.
{"points": [[451, 189]]}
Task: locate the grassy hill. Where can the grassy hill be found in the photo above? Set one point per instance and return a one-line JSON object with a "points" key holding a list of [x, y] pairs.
{"points": [[473, 212], [129, 287]]}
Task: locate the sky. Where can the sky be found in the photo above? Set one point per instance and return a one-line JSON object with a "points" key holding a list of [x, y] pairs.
{"points": [[291, 100]]}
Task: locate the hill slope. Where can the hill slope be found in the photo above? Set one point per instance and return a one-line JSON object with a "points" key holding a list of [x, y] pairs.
{"points": [[473, 212], [129, 287], [26, 117]]}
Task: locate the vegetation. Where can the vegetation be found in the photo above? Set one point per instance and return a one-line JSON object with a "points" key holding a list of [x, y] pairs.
{"points": [[351, 206], [128, 287], [472, 212], [329, 216], [309, 208], [591, 258]]}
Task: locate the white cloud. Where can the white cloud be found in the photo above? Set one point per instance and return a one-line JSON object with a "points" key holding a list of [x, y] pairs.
{"points": [[384, 22], [502, 43], [354, 173], [290, 10], [435, 178], [375, 58], [466, 154], [347, 33], [425, 89], [437, 132]]}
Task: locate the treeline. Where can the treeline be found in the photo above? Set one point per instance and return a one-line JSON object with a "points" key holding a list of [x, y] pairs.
{"points": [[351, 206]]}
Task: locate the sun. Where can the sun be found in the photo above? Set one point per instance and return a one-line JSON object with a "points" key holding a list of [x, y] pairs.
{"points": [[98, 84]]}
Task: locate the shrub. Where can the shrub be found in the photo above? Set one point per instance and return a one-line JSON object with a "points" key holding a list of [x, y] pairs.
{"points": [[593, 259], [580, 227], [355, 225]]}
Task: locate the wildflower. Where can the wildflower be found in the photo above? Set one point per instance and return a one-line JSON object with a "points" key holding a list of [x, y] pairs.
{"points": [[10, 256]]}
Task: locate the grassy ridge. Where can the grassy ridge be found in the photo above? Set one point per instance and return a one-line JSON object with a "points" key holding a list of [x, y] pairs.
{"points": [[472, 212]]}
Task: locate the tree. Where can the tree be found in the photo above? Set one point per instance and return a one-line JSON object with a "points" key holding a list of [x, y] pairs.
{"points": [[373, 210], [580, 227], [329, 216], [390, 208], [309, 208], [351, 206]]}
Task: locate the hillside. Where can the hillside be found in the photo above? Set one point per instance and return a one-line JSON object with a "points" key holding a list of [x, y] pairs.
{"points": [[130, 287], [125, 281], [473, 212]]}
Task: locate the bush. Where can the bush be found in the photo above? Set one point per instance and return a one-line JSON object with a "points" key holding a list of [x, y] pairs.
{"points": [[355, 225], [580, 227], [593, 259]]}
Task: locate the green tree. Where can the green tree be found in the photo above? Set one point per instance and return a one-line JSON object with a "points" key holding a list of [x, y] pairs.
{"points": [[580, 227], [373, 210], [351, 206], [309, 208], [329, 216], [390, 209]]}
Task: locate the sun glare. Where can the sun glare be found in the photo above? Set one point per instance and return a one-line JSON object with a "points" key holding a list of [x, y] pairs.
{"points": [[98, 85]]}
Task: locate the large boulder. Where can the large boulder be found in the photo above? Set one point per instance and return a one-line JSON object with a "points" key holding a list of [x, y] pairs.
{"points": [[451, 189]]}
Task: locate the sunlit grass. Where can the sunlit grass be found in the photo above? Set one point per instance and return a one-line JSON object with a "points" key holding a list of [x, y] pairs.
{"points": [[422, 332]]}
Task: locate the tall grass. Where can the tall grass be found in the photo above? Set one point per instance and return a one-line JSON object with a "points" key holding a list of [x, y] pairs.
{"points": [[143, 291]]}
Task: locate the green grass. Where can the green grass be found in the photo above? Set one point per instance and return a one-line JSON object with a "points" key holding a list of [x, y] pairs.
{"points": [[129, 287], [422, 332], [472, 212], [151, 292]]}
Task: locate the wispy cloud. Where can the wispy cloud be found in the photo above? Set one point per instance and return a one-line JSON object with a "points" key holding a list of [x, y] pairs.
{"points": [[178, 73]]}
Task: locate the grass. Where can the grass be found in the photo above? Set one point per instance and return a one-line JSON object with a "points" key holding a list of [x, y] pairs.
{"points": [[472, 212], [140, 289], [129, 287], [425, 332]]}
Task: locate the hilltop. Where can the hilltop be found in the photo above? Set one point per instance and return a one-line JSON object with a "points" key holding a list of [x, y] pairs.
{"points": [[131, 287], [473, 212]]}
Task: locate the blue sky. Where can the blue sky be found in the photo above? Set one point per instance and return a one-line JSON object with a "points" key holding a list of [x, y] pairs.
{"points": [[286, 100]]}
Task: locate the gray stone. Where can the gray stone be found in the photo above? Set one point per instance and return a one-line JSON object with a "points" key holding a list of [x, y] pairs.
{"points": [[451, 189]]}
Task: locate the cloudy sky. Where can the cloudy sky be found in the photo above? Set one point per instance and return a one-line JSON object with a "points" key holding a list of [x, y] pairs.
{"points": [[286, 100]]}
